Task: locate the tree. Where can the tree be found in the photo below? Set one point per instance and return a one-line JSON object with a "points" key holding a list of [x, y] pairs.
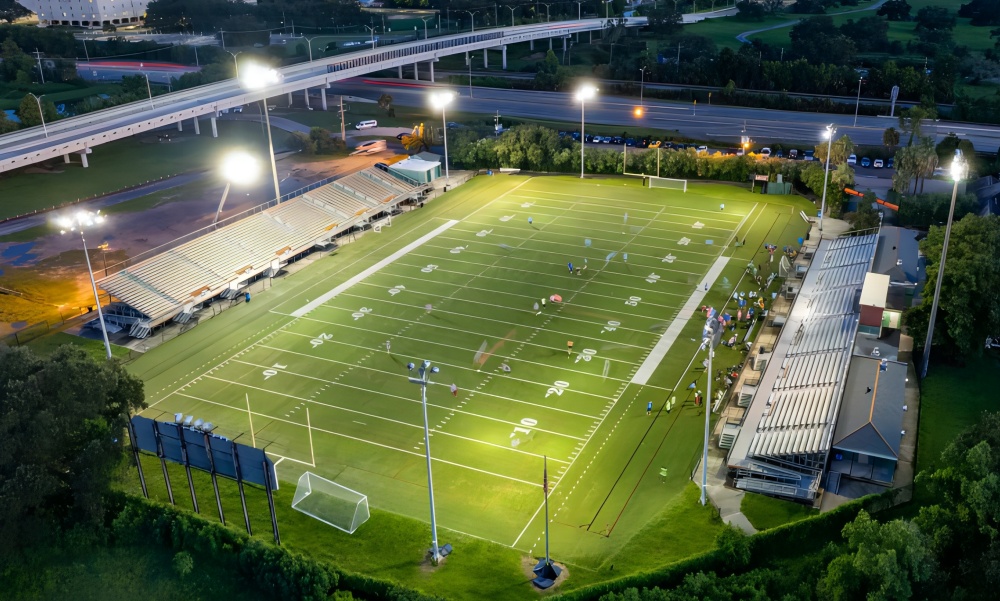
{"points": [[866, 217], [664, 20], [970, 290], [981, 12], [27, 111], [869, 34], [921, 211], [841, 148], [6, 125], [62, 419], [890, 137], [895, 10], [14, 61], [385, 103], [550, 76], [935, 18], [750, 10], [910, 121], [772, 7], [885, 562], [324, 142]]}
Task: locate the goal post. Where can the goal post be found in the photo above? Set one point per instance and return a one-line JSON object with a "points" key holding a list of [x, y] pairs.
{"points": [[330, 503], [667, 182]]}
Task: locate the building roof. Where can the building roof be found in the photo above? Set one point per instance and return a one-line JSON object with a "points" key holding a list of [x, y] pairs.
{"points": [[871, 416], [875, 290], [794, 410], [415, 164], [898, 255]]}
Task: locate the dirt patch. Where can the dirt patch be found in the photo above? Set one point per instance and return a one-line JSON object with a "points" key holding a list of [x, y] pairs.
{"points": [[535, 57], [528, 564], [428, 567], [43, 168]]}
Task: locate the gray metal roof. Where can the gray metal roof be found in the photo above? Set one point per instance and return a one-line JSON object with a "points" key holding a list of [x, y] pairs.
{"points": [[794, 411], [871, 416]]}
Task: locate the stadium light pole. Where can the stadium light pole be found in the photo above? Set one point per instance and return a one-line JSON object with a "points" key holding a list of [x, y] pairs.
{"points": [[41, 114], [256, 77], [441, 100], [830, 131], [79, 221], [425, 370], [240, 168], [711, 336], [584, 94], [958, 167]]}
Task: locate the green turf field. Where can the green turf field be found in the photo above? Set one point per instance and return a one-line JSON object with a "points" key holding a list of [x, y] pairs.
{"points": [[456, 283]]}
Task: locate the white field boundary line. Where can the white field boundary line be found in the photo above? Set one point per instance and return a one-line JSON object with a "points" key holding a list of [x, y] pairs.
{"points": [[370, 415], [668, 338], [468, 249], [377, 444], [373, 269]]}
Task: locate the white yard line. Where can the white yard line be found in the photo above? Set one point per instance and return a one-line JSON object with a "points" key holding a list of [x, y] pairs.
{"points": [[373, 269]]}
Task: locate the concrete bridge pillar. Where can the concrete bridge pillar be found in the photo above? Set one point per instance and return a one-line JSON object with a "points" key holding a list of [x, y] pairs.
{"points": [[486, 58], [289, 100], [306, 91], [215, 128], [432, 71], [180, 126], [197, 128], [503, 51], [531, 44], [66, 158], [564, 44], [83, 158], [322, 98], [550, 43], [400, 75], [416, 71]]}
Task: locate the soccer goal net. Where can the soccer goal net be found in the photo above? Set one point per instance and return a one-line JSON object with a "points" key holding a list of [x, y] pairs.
{"points": [[667, 182], [330, 503]]}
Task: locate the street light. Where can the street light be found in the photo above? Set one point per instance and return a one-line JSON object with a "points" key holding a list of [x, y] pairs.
{"points": [[149, 90], [958, 168], [584, 94], [79, 221], [711, 335], [237, 168], [472, 17], [607, 7], [470, 73], [235, 62], [642, 83], [372, 31], [511, 9], [830, 131], [425, 19], [857, 104], [310, 42], [41, 114], [256, 77], [441, 100], [425, 370]]}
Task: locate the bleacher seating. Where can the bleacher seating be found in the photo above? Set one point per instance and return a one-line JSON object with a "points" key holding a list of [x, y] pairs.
{"points": [[161, 287]]}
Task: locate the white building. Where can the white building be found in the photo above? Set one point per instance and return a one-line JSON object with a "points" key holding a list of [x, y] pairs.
{"points": [[87, 13]]}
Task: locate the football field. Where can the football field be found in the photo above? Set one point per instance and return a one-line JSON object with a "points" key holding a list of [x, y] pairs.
{"points": [[319, 378]]}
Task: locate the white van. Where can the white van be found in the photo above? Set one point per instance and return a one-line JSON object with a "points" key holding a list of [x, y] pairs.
{"points": [[366, 124]]}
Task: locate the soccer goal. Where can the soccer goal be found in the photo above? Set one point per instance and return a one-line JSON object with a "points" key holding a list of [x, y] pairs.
{"points": [[667, 182], [330, 503]]}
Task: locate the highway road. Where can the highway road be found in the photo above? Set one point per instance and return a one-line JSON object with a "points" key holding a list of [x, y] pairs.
{"points": [[722, 124]]}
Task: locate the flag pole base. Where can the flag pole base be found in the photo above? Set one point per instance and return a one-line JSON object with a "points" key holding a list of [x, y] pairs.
{"points": [[545, 574]]}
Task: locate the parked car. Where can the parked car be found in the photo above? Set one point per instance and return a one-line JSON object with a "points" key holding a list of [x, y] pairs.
{"points": [[891, 163], [563, 134], [588, 138], [866, 162], [576, 136], [703, 150], [655, 144], [369, 124], [630, 141], [644, 143], [453, 125], [618, 140], [793, 154], [779, 154], [808, 156], [852, 160], [877, 164], [765, 152], [238, 109]]}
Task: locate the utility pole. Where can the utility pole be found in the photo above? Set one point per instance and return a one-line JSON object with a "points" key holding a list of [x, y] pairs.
{"points": [[38, 57], [343, 131]]}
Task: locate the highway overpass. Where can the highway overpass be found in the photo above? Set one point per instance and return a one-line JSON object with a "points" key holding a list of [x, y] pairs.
{"points": [[81, 134]]}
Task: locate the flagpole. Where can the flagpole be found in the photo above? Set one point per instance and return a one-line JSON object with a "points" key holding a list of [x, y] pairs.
{"points": [[545, 488]]}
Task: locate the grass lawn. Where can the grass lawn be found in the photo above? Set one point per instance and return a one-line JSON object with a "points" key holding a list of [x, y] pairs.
{"points": [[951, 400], [125, 163], [767, 512], [326, 395], [724, 31], [99, 573]]}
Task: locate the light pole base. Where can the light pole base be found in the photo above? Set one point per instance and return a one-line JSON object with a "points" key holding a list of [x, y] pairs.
{"points": [[545, 574]]}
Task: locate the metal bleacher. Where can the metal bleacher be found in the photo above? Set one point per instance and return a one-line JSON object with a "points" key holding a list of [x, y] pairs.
{"points": [[172, 283]]}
